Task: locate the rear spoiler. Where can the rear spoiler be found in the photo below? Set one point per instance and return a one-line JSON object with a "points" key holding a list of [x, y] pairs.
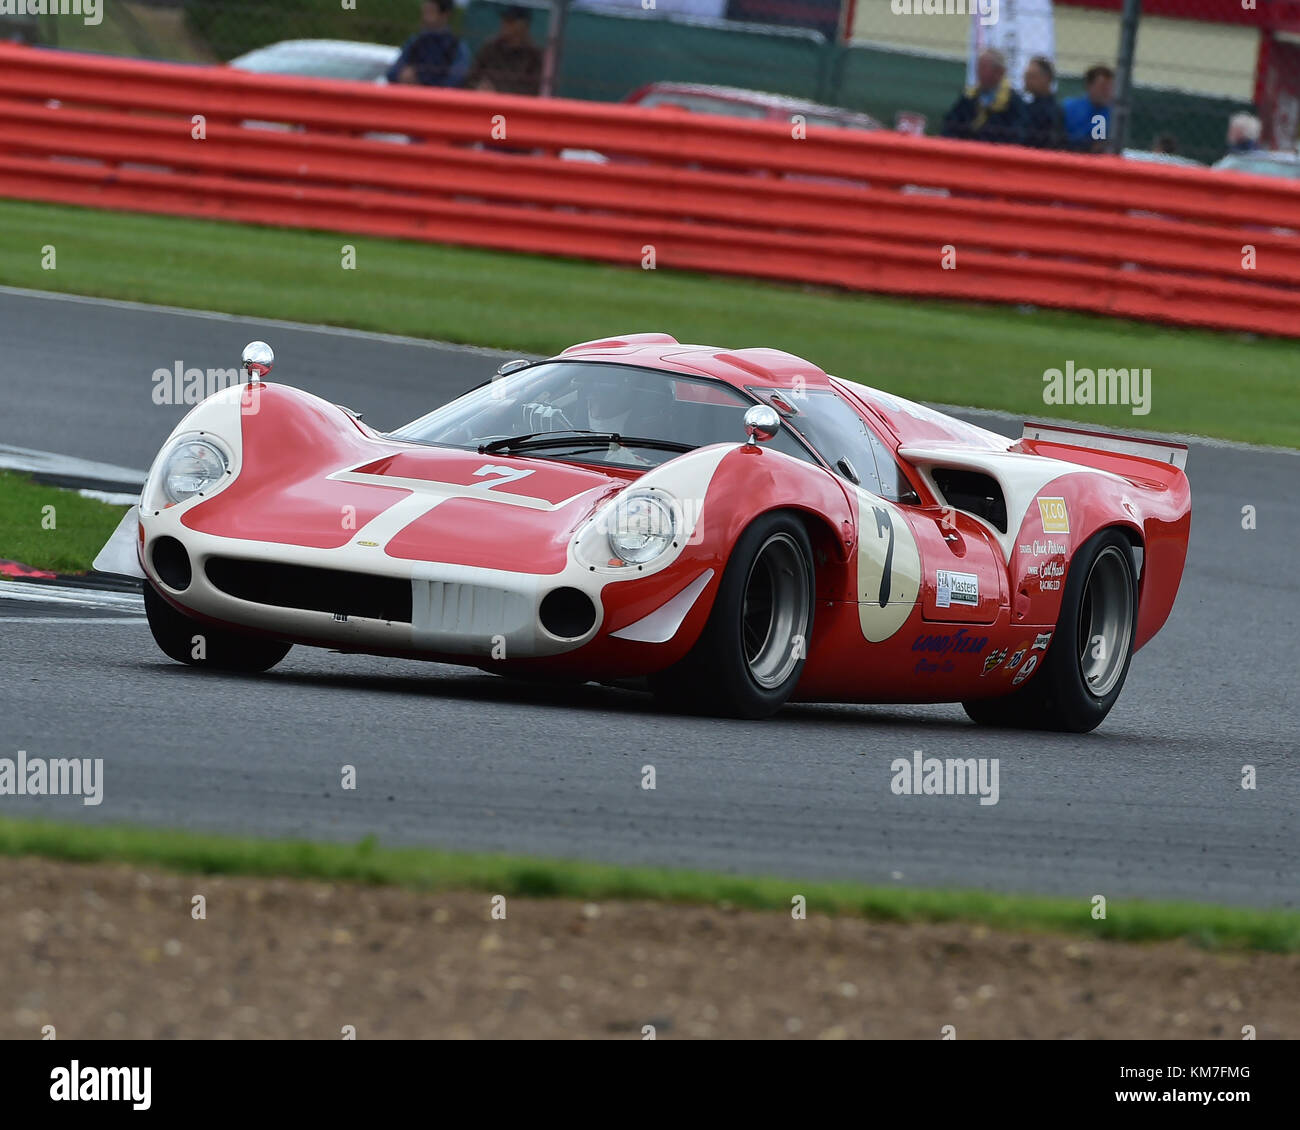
{"points": [[1159, 450]]}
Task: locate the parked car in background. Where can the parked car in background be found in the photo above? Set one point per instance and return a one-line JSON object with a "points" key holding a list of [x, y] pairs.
{"points": [[1263, 162], [321, 58], [756, 105], [1154, 158]]}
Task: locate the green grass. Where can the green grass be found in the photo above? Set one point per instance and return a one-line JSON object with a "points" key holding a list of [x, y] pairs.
{"points": [[427, 870], [1227, 385], [129, 27], [64, 538]]}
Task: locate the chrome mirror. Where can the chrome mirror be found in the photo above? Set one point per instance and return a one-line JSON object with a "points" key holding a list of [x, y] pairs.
{"points": [[259, 359], [761, 423]]}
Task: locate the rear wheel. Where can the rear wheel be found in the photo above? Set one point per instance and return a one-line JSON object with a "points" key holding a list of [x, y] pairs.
{"points": [[1088, 658], [748, 660], [201, 645]]}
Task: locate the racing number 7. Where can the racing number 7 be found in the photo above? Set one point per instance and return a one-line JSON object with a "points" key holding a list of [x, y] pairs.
{"points": [[885, 522]]}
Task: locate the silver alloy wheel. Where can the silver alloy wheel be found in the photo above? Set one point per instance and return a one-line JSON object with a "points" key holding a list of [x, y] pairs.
{"points": [[1105, 622], [774, 616]]}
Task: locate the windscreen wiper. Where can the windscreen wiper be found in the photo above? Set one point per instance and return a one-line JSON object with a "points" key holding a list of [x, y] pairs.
{"points": [[508, 442], [583, 440]]}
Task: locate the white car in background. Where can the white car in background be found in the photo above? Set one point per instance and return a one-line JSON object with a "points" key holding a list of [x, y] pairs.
{"points": [[1263, 162], [1154, 158], [321, 58]]}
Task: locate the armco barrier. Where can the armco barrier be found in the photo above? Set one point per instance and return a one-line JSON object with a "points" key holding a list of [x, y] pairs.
{"points": [[865, 211]]}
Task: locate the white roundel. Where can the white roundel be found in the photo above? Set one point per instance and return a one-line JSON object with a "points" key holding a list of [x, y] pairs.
{"points": [[889, 567]]}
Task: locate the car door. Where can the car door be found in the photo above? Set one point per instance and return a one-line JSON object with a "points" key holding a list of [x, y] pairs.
{"points": [[962, 578]]}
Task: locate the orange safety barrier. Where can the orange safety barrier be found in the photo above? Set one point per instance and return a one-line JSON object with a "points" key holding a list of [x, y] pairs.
{"points": [[865, 211]]}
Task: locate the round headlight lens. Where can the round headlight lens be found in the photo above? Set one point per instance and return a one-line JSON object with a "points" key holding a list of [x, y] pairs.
{"points": [[641, 527], [194, 467]]}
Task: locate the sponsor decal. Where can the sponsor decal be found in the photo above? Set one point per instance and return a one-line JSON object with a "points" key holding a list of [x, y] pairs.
{"points": [[369, 544], [960, 641], [1025, 671], [1015, 659], [1041, 641], [936, 667], [1043, 548], [1050, 574], [996, 656], [1056, 518], [957, 588]]}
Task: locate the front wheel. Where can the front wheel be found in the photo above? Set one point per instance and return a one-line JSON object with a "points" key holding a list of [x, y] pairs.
{"points": [[1089, 654], [748, 660], [201, 645]]}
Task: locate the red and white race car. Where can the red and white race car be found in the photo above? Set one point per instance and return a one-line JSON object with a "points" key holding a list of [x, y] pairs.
{"points": [[601, 515]]}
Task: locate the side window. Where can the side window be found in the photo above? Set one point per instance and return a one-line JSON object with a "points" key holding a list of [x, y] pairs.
{"points": [[787, 444], [893, 483], [836, 431], [842, 438]]}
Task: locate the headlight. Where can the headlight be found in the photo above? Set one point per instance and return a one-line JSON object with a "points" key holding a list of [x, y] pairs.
{"points": [[641, 527], [192, 468]]}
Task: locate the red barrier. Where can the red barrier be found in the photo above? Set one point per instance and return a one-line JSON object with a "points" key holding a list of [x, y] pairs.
{"points": [[866, 211]]}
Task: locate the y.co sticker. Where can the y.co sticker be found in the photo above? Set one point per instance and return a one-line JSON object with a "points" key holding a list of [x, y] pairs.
{"points": [[1056, 518]]}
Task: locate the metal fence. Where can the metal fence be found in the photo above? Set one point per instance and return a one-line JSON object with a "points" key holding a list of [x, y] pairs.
{"points": [[1200, 66]]}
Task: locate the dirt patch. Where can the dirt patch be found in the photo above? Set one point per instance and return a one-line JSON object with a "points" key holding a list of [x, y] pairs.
{"points": [[107, 951]]}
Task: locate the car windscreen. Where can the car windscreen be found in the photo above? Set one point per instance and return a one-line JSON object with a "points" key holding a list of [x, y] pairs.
{"points": [[568, 398]]}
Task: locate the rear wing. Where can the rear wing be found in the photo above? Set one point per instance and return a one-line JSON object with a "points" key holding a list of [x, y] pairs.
{"points": [[1161, 451]]}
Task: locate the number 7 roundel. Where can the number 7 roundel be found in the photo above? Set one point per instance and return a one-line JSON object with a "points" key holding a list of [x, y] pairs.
{"points": [[889, 567]]}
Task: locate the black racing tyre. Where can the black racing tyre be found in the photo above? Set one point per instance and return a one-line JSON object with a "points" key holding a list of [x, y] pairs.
{"points": [[1087, 661], [221, 650], [748, 660]]}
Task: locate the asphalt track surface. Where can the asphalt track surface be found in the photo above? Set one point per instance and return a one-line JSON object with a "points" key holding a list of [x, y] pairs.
{"points": [[1151, 804]]}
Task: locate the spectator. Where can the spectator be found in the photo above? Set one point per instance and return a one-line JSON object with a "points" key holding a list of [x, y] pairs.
{"points": [[1087, 118], [1044, 122], [510, 61], [1243, 133], [1165, 143], [990, 110], [433, 56]]}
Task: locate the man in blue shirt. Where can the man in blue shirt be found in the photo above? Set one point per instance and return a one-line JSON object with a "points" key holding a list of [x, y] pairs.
{"points": [[1087, 117], [433, 56]]}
